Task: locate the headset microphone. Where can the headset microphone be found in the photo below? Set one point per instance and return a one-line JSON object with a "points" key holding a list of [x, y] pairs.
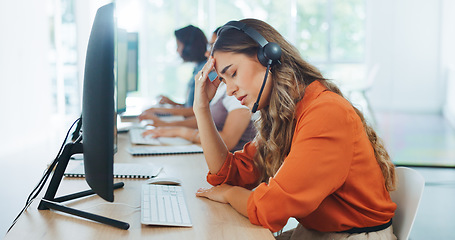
{"points": [[256, 104]]}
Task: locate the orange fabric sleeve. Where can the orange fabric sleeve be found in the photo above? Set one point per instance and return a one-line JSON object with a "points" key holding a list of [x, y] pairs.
{"points": [[238, 169]]}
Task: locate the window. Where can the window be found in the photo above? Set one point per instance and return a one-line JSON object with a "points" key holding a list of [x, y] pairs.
{"points": [[329, 34], [63, 57]]}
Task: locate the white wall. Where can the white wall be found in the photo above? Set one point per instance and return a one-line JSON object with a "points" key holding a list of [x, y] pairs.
{"points": [[449, 105], [404, 38], [448, 57], [25, 100]]}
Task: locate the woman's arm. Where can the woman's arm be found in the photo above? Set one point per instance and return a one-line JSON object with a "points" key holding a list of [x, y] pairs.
{"points": [[188, 122], [215, 151], [182, 111], [166, 100], [153, 112], [184, 132], [237, 197]]}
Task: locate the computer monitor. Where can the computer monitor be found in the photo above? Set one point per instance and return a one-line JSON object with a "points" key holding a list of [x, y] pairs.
{"points": [[98, 143], [98, 105]]}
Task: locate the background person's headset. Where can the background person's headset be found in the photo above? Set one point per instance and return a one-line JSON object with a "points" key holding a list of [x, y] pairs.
{"points": [[269, 53]]}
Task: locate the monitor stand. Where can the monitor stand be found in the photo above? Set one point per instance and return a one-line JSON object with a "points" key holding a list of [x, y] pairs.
{"points": [[49, 199]]}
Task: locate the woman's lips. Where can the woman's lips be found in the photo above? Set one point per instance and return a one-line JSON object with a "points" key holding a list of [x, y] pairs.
{"points": [[242, 100]]}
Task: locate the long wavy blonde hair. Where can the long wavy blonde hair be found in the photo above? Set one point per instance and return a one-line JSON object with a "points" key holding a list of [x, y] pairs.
{"points": [[289, 80]]}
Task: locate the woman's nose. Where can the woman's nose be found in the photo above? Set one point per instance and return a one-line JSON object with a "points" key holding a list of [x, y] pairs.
{"points": [[230, 88]]}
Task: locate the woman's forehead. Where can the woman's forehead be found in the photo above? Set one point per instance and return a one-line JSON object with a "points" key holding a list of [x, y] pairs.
{"points": [[224, 59]]}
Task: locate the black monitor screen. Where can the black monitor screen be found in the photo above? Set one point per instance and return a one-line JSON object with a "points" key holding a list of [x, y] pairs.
{"points": [[98, 105]]}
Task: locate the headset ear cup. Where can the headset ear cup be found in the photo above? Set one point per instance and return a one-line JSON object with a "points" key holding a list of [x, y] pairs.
{"points": [[262, 58], [271, 51]]}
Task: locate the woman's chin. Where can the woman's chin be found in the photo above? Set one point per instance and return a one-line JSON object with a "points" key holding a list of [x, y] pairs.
{"points": [[250, 106]]}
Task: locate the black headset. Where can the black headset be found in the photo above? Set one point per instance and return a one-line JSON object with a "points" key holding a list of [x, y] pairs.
{"points": [[269, 53]]}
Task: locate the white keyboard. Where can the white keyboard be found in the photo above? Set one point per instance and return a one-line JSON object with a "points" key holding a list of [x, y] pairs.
{"points": [[137, 138], [164, 205]]}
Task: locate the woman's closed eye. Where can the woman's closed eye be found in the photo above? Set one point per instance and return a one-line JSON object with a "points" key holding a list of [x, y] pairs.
{"points": [[234, 74]]}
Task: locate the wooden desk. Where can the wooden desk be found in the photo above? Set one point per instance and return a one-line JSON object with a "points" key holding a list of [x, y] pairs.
{"points": [[211, 220]]}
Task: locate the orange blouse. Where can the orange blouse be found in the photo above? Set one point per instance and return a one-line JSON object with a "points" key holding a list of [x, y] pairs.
{"points": [[330, 180]]}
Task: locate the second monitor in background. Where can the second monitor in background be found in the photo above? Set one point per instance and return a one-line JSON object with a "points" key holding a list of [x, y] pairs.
{"points": [[127, 66]]}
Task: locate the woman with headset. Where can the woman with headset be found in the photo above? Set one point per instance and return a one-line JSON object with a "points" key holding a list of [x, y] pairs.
{"points": [[314, 157]]}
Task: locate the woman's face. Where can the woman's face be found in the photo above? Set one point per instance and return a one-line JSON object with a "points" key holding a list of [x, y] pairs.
{"points": [[243, 77]]}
